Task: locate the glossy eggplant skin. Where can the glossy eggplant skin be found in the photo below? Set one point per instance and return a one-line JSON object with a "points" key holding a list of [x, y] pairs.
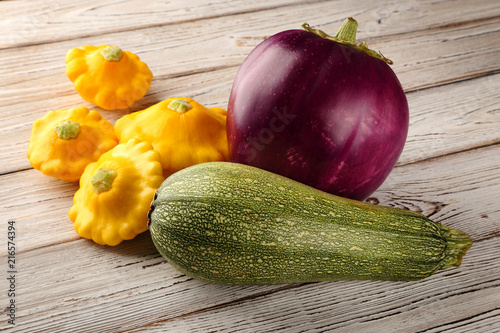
{"points": [[319, 112]]}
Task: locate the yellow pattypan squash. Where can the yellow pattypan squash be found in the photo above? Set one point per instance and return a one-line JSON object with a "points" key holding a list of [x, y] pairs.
{"points": [[64, 142], [116, 192], [107, 76], [183, 131]]}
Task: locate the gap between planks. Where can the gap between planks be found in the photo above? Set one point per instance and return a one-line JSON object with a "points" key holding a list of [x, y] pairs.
{"points": [[451, 153], [49, 9], [399, 302], [399, 164], [265, 7]]}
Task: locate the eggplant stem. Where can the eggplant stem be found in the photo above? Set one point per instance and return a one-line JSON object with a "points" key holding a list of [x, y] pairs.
{"points": [[347, 31], [346, 35]]}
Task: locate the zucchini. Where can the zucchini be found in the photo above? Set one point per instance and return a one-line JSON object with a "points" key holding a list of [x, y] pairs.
{"points": [[230, 223]]}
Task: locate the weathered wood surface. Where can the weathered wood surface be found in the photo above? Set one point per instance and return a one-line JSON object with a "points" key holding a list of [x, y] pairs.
{"points": [[446, 56]]}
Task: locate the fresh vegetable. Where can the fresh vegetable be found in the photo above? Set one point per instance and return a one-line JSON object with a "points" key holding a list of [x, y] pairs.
{"points": [[322, 110], [115, 193], [64, 142], [107, 76], [219, 110], [183, 131], [230, 223]]}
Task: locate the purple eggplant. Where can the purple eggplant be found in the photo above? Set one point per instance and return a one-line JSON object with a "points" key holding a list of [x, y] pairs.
{"points": [[322, 110]]}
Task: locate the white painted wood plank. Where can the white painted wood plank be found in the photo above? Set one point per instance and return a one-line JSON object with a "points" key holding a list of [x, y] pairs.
{"points": [[433, 50], [453, 117], [44, 21], [481, 323], [39, 204], [30, 89], [443, 300], [226, 42], [80, 286], [459, 190]]}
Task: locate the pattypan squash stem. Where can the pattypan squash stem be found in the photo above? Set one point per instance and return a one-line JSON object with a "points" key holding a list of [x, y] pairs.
{"points": [[67, 130], [111, 53], [179, 105], [102, 179], [346, 35]]}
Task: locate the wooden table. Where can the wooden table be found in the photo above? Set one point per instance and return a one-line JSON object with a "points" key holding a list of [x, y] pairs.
{"points": [[447, 56]]}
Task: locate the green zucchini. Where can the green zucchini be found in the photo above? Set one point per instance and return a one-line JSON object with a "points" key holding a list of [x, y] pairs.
{"points": [[230, 223]]}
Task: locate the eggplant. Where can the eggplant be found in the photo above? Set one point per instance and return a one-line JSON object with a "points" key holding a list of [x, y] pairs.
{"points": [[323, 110]]}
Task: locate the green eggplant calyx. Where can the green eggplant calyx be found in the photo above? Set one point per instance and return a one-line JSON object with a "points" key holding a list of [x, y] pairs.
{"points": [[346, 35]]}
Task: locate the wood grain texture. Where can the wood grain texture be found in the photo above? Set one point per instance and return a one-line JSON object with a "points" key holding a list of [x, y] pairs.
{"points": [[354, 306], [99, 281], [30, 22], [446, 56], [445, 119], [451, 54], [51, 198], [34, 22]]}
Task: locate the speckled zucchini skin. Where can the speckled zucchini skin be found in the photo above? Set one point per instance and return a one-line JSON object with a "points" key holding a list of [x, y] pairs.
{"points": [[230, 223]]}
